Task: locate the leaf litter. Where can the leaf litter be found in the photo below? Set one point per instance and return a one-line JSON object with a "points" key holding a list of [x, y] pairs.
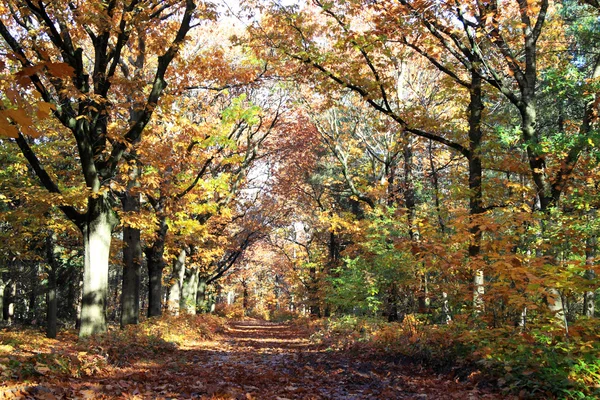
{"points": [[248, 360]]}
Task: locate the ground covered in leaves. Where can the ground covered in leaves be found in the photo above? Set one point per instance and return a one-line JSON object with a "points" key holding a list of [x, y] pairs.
{"points": [[202, 357]]}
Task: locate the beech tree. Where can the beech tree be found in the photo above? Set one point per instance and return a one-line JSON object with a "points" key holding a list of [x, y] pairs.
{"points": [[71, 55]]}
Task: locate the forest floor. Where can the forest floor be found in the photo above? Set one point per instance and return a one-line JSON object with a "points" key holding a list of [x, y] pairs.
{"points": [[251, 360]]}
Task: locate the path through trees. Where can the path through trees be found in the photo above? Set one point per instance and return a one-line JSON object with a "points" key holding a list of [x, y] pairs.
{"points": [[250, 360]]}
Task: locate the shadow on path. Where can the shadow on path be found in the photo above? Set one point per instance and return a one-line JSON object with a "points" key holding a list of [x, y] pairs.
{"points": [[260, 360]]}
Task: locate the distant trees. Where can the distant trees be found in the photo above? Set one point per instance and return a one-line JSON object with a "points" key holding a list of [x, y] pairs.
{"points": [[497, 213]]}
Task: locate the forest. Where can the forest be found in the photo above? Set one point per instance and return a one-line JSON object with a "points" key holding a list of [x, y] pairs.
{"points": [[401, 184]]}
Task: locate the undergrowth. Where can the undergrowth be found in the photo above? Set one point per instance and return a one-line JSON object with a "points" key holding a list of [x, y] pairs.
{"points": [[26, 353], [541, 362]]}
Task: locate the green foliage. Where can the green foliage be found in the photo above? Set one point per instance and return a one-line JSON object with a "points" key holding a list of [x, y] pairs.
{"points": [[380, 262], [241, 109]]}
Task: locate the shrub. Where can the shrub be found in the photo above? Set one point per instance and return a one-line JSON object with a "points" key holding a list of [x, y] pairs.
{"points": [[540, 363]]}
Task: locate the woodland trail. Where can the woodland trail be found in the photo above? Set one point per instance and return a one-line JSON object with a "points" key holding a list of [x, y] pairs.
{"points": [[259, 360]]}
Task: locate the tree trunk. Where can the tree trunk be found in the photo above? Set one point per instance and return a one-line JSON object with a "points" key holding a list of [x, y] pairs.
{"points": [[51, 293], [409, 187], [446, 317], [314, 308], [176, 284], [156, 265], [392, 304], [212, 304], [97, 235], [201, 298], [189, 290], [10, 295], [475, 180], [245, 297], [34, 293], [78, 306], [436, 188], [155, 271], [52, 305], [589, 298], [2, 296], [423, 300], [73, 277], [132, 266]]}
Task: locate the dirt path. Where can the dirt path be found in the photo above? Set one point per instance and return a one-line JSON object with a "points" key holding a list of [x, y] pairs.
{"points": [[258, 360], [273, 361]]}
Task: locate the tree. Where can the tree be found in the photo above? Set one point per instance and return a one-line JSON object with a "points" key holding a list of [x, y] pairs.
{"points": [[84, 97]]}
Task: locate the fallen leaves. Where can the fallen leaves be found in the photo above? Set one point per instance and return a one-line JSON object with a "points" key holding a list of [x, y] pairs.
{"points": [[250, 360]]}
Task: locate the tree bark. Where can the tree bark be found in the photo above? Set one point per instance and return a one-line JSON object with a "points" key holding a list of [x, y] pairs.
{"points": [[589, 297], [10, 295], [392, 303], [156, 265], [313, 293], [446, 317], [436, 188], [409, 187], [201, 297], [97, 235], [51, 293], [245, 297], [132, 265], [475, 180], [2, 295], [189, 290], [32, 311], [176, 284]]}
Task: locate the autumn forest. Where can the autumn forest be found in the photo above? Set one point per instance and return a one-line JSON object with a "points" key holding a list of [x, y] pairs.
{"points": [[370, 187]]}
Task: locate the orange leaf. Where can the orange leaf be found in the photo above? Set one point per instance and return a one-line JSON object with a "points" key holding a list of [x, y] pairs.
{"points": [[44, 109], [7, 130], [60, 70]]}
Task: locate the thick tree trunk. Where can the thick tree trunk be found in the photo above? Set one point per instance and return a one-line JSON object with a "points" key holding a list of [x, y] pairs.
{"points": [[132, 266], [201, 298], [189, 290], [475, 189], [156, 265], [176, 283], [155, 272], [97, 235]]}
